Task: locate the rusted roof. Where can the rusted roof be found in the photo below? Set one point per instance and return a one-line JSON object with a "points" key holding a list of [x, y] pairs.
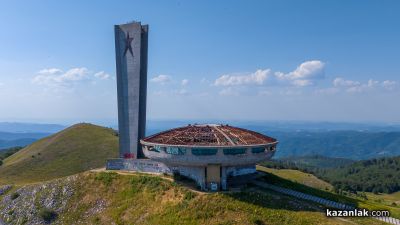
{"points": [[209, 135]]}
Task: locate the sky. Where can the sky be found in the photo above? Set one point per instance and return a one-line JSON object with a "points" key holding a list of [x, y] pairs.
{"points": [[220, 60]]}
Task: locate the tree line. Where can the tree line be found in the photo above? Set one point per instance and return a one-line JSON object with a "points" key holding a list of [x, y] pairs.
{"points": [[379, 175], [4, 153]]}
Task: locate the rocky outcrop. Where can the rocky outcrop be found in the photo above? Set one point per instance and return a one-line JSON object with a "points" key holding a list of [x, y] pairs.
{"points": [[4, 189], [25, 204]]}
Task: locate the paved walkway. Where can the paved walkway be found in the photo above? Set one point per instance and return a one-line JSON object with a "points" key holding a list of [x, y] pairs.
{"points": [[319, 200]]}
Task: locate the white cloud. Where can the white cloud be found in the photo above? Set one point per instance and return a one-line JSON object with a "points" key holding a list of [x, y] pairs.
{"points": [[351, 86], [162, 79], [340, 82], [372, 83], [304, 74], [102, 75], [389, 84], [256, 78], [185, 82], [74, 74], [55, 77], [50, 71], [357, 86]]}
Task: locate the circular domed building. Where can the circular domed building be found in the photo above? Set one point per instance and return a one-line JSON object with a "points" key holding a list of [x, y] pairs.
{"points": [[209, 153]]}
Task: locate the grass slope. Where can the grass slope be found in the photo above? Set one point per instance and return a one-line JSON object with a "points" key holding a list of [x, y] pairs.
{"points": [[73, 150], [298, 176], [110, 198], [310, 184]]}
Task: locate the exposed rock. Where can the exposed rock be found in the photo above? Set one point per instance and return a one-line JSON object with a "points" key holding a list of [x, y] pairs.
{"points": [[23, 205], [4, 189]]}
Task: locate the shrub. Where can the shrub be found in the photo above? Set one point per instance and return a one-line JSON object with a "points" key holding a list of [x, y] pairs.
{"points": [[152, 184], [257, 221], [14, 195], [47, 215], [189, 195], [106, 178]]}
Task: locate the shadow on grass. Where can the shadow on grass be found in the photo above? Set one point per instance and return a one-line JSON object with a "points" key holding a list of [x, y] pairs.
{"points": [[270, 199]]}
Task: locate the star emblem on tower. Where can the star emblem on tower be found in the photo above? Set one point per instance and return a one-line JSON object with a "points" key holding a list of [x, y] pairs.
{"points": [[128, 46]]}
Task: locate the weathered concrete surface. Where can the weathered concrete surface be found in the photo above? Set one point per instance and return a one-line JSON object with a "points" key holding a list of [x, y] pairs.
{"points": [[138, 165], [131, 62], [188, 159]]}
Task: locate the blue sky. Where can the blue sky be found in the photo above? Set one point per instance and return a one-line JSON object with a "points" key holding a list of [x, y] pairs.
{"points": [[225, 60]]}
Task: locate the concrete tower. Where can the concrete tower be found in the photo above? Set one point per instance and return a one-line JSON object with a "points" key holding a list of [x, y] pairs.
{"points": [[131, 60]]}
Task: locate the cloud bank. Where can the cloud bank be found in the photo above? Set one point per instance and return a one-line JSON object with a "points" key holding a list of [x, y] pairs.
{"points": [[256, 78], [54, 77]]}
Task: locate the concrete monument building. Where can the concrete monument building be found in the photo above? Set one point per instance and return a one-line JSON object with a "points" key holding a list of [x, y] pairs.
{"points": [[210, 154], [131, 60]]}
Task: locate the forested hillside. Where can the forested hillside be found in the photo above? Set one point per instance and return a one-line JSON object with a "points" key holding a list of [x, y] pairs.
{"points": [[355, 145], [374, 175]]}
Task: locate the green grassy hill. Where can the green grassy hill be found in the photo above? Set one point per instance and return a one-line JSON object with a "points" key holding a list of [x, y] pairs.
{"points": [[311, 184], [298, 176], [111, 198], [73, 150]]}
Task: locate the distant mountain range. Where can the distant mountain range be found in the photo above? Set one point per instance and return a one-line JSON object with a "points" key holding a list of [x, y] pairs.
{"points": [[8, 140], [344, 140], [22, 134], [343, 144], [283, 126], [5, 144], [13, 127]]}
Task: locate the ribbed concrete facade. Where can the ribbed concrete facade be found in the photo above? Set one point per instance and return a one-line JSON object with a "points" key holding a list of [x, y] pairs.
{"points": [[210, 154], [131, 42], [189, 159]]}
